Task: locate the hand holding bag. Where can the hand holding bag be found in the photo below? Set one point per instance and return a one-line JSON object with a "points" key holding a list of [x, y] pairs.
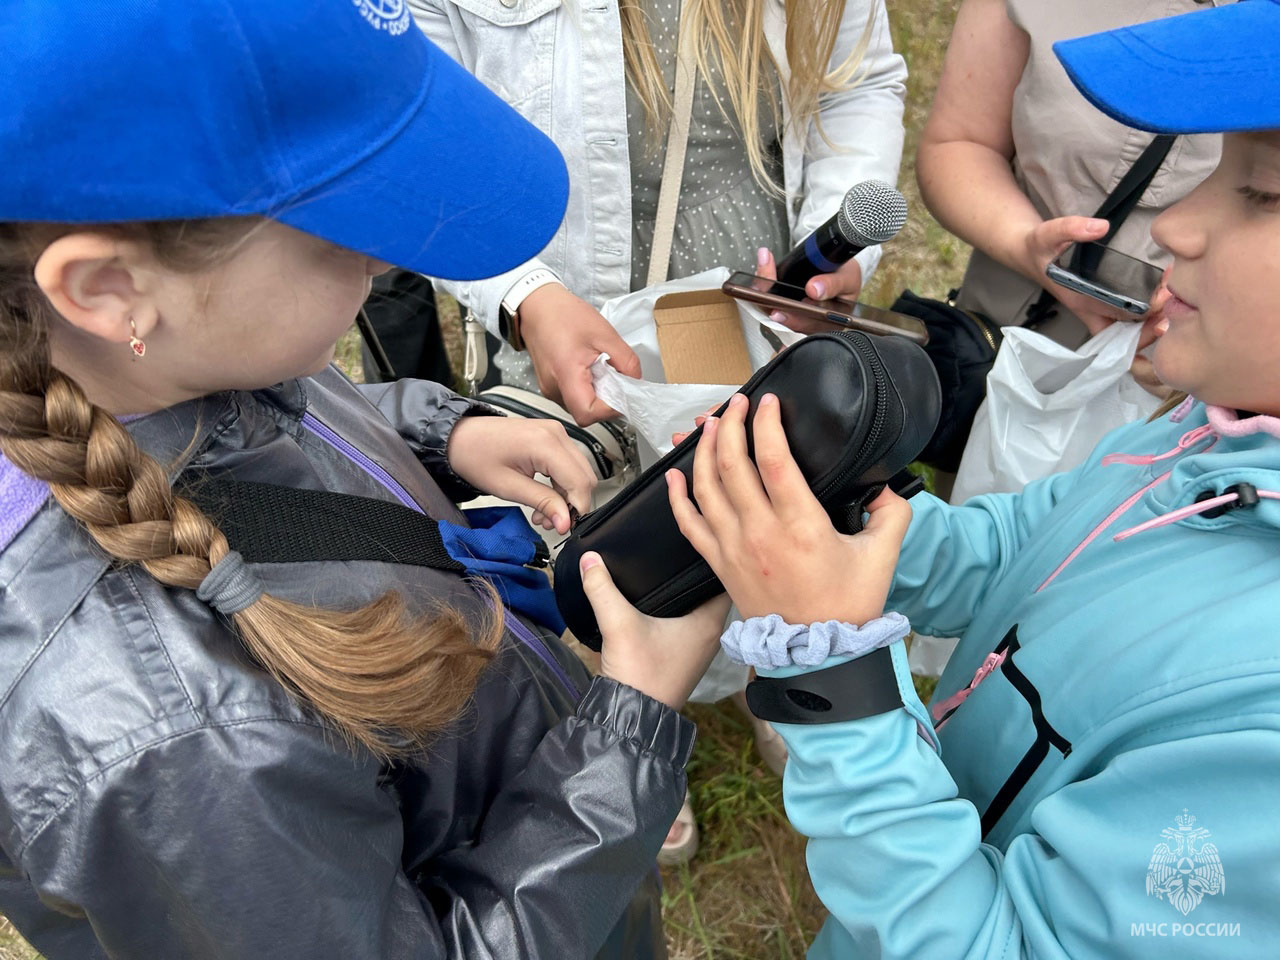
{"points": [[857, 409]]}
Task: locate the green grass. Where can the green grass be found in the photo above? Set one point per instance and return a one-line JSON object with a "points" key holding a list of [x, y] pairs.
{"points": [[747, 893], [12, 946]]}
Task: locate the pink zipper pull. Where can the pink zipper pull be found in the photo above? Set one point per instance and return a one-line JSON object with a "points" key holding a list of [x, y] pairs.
{"points": [[992, 661]]}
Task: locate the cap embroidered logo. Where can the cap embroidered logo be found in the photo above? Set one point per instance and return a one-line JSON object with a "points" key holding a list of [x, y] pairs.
{"points": [[389, 15]]}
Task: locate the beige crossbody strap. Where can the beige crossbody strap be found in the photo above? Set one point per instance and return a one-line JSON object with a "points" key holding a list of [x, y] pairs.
{"points": [[677, 145]]}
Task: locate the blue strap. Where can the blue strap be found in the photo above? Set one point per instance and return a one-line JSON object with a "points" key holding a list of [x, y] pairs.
{"points": [[499, 546]]}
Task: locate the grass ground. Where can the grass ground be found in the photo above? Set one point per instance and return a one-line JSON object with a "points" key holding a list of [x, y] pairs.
{"points": [[12, 946], [747, 894]]}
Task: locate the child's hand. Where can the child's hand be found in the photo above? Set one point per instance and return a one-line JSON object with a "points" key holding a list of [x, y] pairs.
{"points": [[772, 545], [501, 455], [663, 658]]}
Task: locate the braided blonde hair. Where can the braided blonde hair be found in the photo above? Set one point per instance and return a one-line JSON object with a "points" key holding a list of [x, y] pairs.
{"points": [[732, 32], [384, 679]]}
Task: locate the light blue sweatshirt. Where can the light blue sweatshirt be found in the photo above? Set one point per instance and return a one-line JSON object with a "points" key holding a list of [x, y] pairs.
{"points": [[1111, 787]]}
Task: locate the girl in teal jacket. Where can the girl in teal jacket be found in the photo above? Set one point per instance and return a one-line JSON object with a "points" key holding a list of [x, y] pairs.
{"points": [[1099, 772]]}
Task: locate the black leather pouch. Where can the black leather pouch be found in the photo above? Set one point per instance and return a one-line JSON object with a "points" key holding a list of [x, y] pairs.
{"points": [[856, 409]]}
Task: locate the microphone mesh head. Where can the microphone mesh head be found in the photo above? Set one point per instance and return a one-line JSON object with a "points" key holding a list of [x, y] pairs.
{"points": [[872, 213]]}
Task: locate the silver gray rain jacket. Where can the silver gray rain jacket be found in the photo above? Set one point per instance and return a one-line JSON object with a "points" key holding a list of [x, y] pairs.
{"points": [[162, 797]]}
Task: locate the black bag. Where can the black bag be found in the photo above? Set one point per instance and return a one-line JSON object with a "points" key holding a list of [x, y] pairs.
{"points": [[963, 343], [963, 346], [857, 409]]}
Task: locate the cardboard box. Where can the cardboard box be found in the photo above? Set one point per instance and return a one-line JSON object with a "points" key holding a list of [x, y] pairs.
{"points": [[700, 338]]}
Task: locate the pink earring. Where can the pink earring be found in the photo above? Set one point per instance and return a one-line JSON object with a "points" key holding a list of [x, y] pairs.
{"points": [[137, 346]]}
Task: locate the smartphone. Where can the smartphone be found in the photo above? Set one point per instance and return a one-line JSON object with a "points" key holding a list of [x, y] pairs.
{"points": [[824, 314], [1108, 275]]}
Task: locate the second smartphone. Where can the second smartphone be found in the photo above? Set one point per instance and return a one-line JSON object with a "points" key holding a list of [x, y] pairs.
{"points": [[824, 314]]}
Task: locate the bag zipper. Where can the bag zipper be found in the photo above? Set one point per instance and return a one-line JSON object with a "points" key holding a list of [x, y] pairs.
{"points": [[881, 385], [982, 329], [603, 462]]}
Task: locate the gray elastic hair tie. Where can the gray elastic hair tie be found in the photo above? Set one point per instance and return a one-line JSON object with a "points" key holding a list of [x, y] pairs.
{"points": [[230, 586]]}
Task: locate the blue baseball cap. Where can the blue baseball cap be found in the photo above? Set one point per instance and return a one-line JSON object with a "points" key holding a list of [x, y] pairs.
{"points": [[1209, 71], [337, 117]]}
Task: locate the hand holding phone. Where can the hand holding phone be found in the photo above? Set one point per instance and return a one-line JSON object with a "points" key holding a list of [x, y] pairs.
{"points": [[1107, 275], [823, 316]]}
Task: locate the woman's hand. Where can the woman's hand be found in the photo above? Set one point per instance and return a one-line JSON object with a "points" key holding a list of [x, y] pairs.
{"points": [[1044, 243], [501, 455], [663, 658], [845, 283], [766, 536], [564, 334]]}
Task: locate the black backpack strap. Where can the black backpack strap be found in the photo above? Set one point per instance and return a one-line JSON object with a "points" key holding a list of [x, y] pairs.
{"points": [[267, 523], [1115, 209], [1122, 200]]}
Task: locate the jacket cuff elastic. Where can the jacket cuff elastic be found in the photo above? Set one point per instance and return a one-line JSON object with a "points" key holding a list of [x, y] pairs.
{"points": [[435, 446], [631, 715]]}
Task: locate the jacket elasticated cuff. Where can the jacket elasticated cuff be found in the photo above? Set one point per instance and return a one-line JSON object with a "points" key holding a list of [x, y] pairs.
{"points": [[631, 715], [435, 447], [770, 643]]}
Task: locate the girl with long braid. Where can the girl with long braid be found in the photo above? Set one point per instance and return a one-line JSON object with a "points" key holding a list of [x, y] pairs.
{"points": [[220, 740]]}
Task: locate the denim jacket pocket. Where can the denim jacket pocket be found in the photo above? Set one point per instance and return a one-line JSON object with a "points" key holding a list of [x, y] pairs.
{"points": [[508, 13], [514, 49]]}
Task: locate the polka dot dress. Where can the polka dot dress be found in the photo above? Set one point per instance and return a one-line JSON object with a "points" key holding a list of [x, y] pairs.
{"points": [[724, 215]]}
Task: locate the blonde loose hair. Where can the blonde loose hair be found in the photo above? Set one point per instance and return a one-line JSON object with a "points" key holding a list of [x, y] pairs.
{"points": [[383, 678], [748, 65]]}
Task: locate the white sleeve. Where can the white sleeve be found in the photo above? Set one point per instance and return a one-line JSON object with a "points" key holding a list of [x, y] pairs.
{"points": [[862, 125]]}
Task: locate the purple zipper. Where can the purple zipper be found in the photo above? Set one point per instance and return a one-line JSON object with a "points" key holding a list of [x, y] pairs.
{"points": [[535, 643], [517, 628], [327, 434]]}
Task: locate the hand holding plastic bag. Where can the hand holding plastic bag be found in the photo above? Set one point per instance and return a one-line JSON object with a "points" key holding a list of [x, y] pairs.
{"points": [[654, 408]]}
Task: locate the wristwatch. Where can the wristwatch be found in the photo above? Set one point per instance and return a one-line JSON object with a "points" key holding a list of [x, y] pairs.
{"points": [[508, 317]]}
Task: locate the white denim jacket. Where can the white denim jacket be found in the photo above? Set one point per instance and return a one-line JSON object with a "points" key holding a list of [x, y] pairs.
{"points": [[559, 62]]}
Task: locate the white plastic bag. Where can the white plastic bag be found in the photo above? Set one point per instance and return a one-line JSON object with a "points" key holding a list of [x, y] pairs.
{"points": [[1047, 407], [656, 409]]}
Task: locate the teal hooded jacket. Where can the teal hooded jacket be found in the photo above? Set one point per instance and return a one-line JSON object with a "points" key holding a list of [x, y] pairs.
{"points": [[1099, 772]]}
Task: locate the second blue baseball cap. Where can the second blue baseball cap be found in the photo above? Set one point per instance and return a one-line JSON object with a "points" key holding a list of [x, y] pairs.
{"points": [[337, 117], [1209, 71]]}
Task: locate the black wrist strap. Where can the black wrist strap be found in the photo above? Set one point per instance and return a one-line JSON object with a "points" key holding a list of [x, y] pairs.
{"points": [[860, 688]]}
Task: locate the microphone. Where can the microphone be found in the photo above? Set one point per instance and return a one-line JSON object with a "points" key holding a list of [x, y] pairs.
{"points": [[872, 212]]}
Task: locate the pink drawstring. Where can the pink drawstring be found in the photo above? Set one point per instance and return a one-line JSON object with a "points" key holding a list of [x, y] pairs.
{"points": [[940, 710], [1190, 510], [1111, 518], [1222, 422], [1188, 439], [1236, 497], [1241, 495]]}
